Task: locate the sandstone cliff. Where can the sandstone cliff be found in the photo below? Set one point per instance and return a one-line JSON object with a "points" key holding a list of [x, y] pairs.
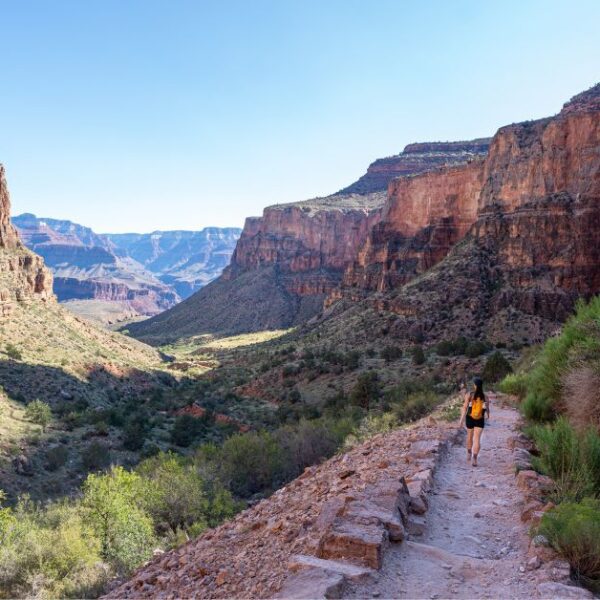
{"points": [[23, 276], [528, 222], [287, 261]]}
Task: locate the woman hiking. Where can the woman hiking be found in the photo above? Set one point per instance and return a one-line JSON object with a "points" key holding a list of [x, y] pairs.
{"points": [[474, 408]]}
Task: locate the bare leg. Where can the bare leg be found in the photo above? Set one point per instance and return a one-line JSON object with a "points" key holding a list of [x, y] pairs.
{"points": [[476, 443], [469, 443]]}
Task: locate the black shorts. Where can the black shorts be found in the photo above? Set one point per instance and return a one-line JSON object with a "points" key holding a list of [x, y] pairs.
{"points": [[475, 422]]}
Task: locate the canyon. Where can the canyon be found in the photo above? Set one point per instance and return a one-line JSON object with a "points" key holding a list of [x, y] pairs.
{"points": [[288, 261], [515, 219], [139, 274]]}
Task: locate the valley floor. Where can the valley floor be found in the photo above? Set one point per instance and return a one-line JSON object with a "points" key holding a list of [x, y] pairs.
{"points": [[474, 544]]}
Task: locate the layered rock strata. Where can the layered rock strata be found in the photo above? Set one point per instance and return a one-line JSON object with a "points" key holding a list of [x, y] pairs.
{"points": [[23, 276]]}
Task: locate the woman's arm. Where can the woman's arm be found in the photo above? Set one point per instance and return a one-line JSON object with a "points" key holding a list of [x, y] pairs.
{"points": [[463, 412], [488, 403]]}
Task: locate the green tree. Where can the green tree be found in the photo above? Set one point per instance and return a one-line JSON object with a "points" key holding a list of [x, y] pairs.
{"points": [[39, 413], [366, 390], [418, 356], [496, 367], [113, 505]]}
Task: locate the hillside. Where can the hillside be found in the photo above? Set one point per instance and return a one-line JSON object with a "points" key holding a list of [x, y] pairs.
{"points": [[291, 258]]}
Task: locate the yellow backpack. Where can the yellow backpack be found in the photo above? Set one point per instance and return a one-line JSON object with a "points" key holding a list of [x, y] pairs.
{"points": [[477, 407]]}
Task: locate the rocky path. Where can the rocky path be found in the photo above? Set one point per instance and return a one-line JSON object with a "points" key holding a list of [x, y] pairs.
{"points": [[474, 544]]}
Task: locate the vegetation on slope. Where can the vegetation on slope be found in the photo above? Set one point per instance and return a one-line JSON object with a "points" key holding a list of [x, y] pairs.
{"points": [[561, 399]]}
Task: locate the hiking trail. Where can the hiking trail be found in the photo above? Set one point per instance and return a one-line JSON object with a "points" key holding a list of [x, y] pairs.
{"points": [[474, 544]]}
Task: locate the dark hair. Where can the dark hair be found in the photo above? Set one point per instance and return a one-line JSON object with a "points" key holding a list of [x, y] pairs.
{"points": [[478, 393]]}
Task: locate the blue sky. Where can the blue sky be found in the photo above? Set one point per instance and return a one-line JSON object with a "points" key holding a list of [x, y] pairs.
{"points": [[130, 115]]}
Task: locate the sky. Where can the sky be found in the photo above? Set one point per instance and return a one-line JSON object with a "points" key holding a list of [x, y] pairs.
{"points": [[138, 115]]}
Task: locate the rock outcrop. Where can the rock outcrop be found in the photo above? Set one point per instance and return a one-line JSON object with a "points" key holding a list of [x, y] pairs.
{"points": [[533, 203], [287, 261], [23, 276]]}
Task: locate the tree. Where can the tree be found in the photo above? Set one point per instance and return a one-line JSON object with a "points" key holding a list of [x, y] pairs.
{"points": [[496, 367], [418, 356], [39, 413], [113, 505], [365, 390]]}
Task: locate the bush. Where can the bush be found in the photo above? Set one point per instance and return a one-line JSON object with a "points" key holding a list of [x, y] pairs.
{"points": [[13, 352], [372, 425], [50, 552], [39, 413], [96, 456], [187, 429], [415, 406], [250, 463], [417, 354], [496, 367], [572, 460], [573, 530], [578, 344], [580, 396], [366, 390], [112, 504], [476, 348], [515, 385], [56, 457], [391, 353]]}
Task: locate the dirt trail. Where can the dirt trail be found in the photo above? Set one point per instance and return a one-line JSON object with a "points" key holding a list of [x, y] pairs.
{"points": [[474, 544]]}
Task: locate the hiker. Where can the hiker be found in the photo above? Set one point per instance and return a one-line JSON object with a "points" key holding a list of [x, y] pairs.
{"points": [[475, 406]]}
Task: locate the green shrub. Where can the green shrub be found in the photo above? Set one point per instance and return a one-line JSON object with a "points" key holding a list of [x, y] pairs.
{"points": [[366, 390], [579, 341], [250, 463], [476, 348], [371, 425], [573, 530], [56, 457], [112, 504], [514, 384], [39, 412], [187, 429], [391, 353], [96, 456], [13, 352], [415, 406], [572, 460], [417, 354], [496, 367]]}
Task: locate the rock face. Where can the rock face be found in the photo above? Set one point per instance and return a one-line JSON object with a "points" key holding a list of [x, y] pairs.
{"points": [[416, 158], [23, 276], [86, 267], [184, 260], [287, 261], [533, 203]]}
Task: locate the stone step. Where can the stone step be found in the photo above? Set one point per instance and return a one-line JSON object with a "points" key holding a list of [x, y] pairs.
{"points": [[352, 572], [312, 583]]}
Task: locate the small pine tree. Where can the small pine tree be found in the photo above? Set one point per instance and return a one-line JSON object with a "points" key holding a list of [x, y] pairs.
{"points": [[496, 367]]}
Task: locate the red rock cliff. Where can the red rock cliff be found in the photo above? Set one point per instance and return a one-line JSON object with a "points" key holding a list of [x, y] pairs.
{"points": [[23, 276], [534, 202]]}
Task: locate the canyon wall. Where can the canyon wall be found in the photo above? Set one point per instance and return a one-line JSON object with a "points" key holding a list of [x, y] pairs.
{"points": [[528, 216], [23, 276], [289, 260]]}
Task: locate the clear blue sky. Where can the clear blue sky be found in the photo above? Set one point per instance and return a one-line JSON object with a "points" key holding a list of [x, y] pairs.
{"points": [[138, 115]]}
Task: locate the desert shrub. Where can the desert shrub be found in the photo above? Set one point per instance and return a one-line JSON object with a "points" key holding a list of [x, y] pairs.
{"points": [[112, 504], [573, 530], [514, 384], [135, 432], [250, 463], [56, 457], [366, 390], [13, 352], [187, 429], [415, 406], [391, 353], [444, 348], [496, 367], [96, 456], [452, 347], [49, 552], [417, 354], [371, 425], [352, 360], [579, 342], [581, 394], [39, 412], [572, 460], [476, 348]]}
